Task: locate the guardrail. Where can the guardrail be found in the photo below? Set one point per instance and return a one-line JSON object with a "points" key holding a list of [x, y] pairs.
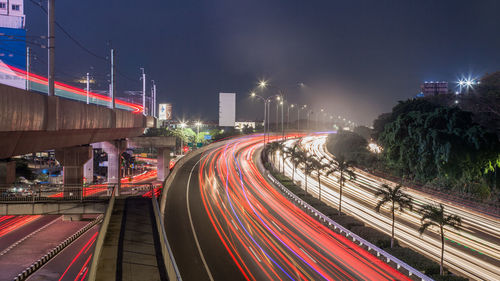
{"points": [[43, 193], [168, 257], [381, 254], [100, 237]]}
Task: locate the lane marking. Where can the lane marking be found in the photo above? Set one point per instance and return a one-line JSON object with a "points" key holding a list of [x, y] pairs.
{"points": [[192, 225], [307, 254], [254, 254]]}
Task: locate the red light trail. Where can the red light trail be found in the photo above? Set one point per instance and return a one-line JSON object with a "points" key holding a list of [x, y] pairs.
{"points": [[65, 87], [266, 235]]}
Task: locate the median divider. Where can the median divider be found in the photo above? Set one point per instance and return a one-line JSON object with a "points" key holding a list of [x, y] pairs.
{"points": [[56, 250], [381, 254]]}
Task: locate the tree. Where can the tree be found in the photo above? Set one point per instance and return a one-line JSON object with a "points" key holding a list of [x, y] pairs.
{"points": [[397, 199], [318, 166], [351, 145], [296, 156], [345, 168], [282, 148], [273, 147], [435, 216], [307, 160]]}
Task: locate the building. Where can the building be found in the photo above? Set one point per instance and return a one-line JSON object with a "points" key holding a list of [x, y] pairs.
{"points": [[433, 88], [242, 124], [13, 48]]}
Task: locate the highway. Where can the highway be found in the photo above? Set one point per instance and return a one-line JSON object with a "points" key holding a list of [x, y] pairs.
{"points": [[34, 241], [72, 263], [225, 221], [474, 251]]}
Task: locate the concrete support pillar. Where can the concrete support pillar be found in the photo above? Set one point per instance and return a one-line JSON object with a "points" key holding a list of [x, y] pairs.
{"points": [[163, 164], [7, 172], [88, 169], [72, 159], [114, 149]]}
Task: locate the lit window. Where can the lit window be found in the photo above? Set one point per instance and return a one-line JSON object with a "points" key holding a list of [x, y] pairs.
{"points": [[3, 5], [15, 7]]}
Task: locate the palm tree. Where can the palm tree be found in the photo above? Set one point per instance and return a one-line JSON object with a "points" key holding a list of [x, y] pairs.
{"points": [[394, 196], [295, 155], [345, 168], [319, 166], [273, 147], [434, 216], [307, 160], [282, 148]]}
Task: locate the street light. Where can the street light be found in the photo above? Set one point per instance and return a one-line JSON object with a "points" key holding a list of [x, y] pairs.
{"points": [[253, 94], [288, 116]]}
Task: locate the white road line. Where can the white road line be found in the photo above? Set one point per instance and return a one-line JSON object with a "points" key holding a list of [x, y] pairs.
{"points": [[254, 254], [307, 254], [192, 226]]}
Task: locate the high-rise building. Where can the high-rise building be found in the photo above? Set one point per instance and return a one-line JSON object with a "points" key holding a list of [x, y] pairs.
{"points": [[13, 43], [433, 88]]}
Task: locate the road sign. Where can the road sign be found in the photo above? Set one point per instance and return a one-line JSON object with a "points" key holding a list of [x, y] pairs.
{"points": [[208, 137], [199, 144]]}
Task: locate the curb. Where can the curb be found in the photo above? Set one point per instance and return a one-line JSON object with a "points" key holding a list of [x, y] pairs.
{"points": [[52, 253]]}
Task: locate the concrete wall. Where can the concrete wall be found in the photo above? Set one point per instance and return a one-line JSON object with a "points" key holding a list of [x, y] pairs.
{"points": [[27, 125]]}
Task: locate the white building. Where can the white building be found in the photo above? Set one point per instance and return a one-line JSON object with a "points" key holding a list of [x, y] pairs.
{"points": [[12, 14]]}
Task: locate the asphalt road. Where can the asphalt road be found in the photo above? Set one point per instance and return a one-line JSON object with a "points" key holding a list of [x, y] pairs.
{"points": [[30, 250], [473, 251], [226, 222], [180, 232], [72, 263], [18, 233]]}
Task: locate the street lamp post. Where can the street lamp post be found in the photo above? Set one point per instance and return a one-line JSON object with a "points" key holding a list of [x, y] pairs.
{"points": [[265, 112], [288, 116], [282, 127]]}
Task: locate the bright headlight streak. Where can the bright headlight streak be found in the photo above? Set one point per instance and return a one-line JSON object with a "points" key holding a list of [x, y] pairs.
{"points": [[458, 259]]}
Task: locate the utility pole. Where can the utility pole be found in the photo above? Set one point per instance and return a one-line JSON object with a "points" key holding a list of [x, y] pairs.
{"points": [[265, 117], [51, 45], [112, 89], [28, 58], [143, 91], [153, 99], [88, 88]]}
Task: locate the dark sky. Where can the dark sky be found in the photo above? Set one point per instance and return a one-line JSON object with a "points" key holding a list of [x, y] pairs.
{"points": [[356, 57]]}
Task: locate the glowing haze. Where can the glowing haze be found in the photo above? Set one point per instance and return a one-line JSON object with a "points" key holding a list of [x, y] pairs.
{"points": [[356, 58]]}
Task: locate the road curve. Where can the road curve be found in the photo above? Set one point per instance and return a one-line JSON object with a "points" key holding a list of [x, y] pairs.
{"points": [[225, 221], [473, 251]]}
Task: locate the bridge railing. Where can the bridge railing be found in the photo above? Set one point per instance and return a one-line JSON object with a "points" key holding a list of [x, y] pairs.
{"points": [[39, 193], [168, 256]]}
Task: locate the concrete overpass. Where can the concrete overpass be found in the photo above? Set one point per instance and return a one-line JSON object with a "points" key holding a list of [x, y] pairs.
{"points": [[32, 122]]}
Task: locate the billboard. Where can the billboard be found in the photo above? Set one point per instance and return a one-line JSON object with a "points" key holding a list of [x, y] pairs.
{"points": [[227, 109], [13, 56], [165, 111]]}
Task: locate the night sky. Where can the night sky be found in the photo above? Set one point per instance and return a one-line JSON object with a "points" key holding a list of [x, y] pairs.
{"points": [[357, 58]]}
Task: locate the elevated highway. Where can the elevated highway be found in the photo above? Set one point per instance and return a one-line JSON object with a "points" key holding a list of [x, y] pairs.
{"points": [[31, 122]]}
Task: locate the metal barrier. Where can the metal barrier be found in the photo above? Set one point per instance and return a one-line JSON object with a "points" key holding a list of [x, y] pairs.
{"points": [[44, 193], [381, 254], [168, 257]]}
